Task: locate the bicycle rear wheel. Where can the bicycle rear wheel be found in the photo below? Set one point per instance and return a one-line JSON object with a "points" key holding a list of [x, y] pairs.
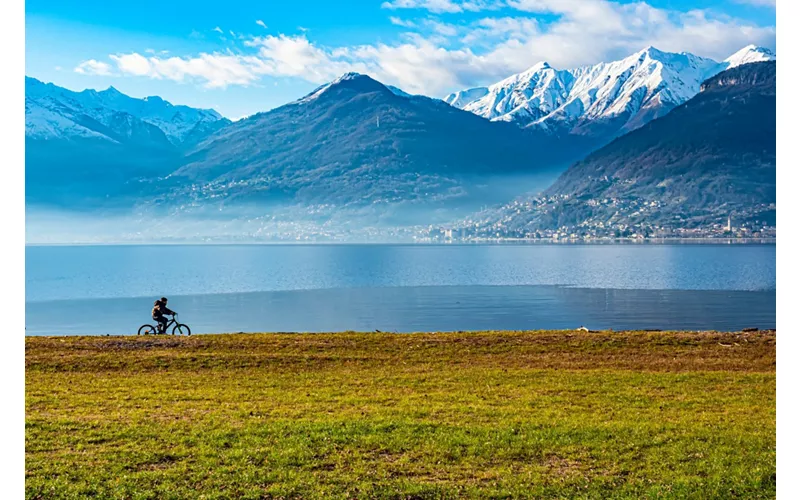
{"points": [[181, 329], [146, 330]]}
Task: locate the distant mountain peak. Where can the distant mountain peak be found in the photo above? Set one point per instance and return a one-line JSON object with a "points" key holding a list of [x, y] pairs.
{"points": [[750, 54], [350, 75], [357, 81], [349, 81], [539, 66], [651, 51]]}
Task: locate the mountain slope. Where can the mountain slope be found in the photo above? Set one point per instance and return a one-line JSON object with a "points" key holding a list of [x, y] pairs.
{"points": [[88, 148], [56, 112], [356, 143], [709, 157], [601, 101]]}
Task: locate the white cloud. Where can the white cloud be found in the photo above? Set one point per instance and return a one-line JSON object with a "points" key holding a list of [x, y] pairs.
{"points": [[441, 6], [261, 23], [217, 29], [492, 29], [93, 67], [589, 31], [211, 70], [430, 60], [441, 28], [402, 22]]}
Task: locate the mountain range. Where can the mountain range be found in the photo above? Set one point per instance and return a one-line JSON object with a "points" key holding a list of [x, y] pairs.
{"points": [[352, 151], [601, 101], [354, 143], [53, 112], [708, 159], [83, 148]]}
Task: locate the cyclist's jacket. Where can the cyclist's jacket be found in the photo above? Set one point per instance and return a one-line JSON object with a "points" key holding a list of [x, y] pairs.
{"points": [[160, 310]]}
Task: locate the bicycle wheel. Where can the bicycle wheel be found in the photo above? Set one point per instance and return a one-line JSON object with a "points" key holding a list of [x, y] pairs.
{"points": [[146, 330], [181, 329]]}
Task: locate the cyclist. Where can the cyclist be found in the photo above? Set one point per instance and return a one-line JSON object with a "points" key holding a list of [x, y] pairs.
{"points": [[160, 310]]}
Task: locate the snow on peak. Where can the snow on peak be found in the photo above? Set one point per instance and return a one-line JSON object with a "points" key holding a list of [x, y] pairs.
{"points": [[463, 97], [350, 75], [638, 88], [750, 54], [54, 111], [539, 66], [650, 51], [352, 80]]}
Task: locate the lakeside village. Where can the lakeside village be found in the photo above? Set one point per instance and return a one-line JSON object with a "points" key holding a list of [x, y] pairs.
{"points": [[627, 223]]}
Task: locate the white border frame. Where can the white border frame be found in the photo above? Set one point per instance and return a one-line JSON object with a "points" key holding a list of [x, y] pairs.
{"points": [[12, 269]]}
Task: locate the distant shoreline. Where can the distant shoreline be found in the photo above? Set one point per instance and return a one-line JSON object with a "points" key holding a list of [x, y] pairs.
{"points": [[482, 241], [612, 241]]}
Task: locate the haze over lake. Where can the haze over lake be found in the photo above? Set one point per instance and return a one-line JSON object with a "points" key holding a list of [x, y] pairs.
{"points": [[110, 289]]}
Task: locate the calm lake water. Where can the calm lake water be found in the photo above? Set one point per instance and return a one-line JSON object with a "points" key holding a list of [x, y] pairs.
{"points": [[110, 289]]}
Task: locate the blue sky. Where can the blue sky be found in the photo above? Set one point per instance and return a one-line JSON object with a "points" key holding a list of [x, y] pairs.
{"points": [[243, 57]]}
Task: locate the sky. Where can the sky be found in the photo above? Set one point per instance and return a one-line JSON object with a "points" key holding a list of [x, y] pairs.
{"points": [[243, 57]]}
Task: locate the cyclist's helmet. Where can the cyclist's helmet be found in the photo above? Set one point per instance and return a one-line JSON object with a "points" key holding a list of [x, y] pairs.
{"points": [[164, 300]]}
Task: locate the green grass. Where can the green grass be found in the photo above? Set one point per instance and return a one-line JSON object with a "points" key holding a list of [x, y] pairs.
{"points": [[490, 415]]}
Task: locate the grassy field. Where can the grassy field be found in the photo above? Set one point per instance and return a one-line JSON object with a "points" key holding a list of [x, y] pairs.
{"points": [[372, 415]]}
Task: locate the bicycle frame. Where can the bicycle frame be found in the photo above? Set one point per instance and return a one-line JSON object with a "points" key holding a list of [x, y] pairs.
{"points": [[172, 321]]}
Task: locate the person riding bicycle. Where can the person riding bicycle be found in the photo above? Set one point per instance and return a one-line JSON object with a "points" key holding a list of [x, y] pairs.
{"points": [[160, 309]]}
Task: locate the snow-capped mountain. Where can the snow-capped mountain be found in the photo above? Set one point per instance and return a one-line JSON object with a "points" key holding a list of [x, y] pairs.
{"points": [[349, 77], [749, 54], [604, 100], [55, 112], [710, 157]]}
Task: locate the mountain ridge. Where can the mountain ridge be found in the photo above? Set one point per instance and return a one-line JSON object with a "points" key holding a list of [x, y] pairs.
{"points": [[355, 143], [50, 103], [350, 151], [708, 158], [603, 100]]}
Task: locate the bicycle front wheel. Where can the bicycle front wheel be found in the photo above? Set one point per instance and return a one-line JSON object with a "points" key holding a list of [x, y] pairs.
{"points": [[181, 329], [146, 330]]}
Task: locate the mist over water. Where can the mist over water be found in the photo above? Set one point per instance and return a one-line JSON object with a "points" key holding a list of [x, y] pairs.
{"points": [[146, 221]]}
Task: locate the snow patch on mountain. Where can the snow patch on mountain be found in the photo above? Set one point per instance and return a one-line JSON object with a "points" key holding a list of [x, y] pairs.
{"points": [[55, 112], [607, 98], [398, 92], [356, 80], [42, 122], [750, 54]]}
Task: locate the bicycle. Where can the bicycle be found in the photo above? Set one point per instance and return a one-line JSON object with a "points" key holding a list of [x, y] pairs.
{"points": [[177, 329]]}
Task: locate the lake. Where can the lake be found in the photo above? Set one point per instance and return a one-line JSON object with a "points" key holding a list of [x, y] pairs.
{"points": [[94, 290]]}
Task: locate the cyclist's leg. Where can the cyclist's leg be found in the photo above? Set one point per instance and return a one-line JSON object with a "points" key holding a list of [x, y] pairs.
{"points": [[162, 324]]}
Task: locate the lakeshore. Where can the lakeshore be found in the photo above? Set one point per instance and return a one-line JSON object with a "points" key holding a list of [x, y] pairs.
{"points": [[508, 414]]}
